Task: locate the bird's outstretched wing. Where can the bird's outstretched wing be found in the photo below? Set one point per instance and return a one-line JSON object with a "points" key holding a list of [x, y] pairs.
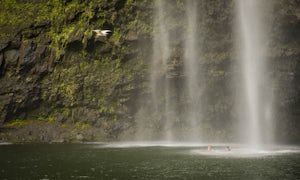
{"points": [[106, 31]]}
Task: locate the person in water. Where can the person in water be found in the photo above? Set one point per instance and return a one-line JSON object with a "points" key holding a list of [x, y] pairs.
{"points": [[210, 148]]}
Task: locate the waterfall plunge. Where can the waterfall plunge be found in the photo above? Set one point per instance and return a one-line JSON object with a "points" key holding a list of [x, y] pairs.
{"points": [[173, 125], [158, 82], [255, 99], [191, 70]]}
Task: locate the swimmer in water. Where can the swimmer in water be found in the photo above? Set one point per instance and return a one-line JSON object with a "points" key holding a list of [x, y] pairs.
{"points": [[228, 148], [209, 148]]}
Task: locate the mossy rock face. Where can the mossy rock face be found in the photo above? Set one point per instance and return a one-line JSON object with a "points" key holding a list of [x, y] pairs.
{"points": [[53, 67]]}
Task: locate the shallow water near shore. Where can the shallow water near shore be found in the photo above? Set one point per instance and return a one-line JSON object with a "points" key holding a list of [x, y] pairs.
{"points": [[145, 161]]}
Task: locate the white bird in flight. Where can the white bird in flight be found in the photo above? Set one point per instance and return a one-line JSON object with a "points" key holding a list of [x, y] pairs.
{"points": [[101, 32]]}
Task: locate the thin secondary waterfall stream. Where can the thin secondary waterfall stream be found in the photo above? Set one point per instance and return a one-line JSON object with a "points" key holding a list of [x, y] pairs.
{"points": [[191, 69], [161, 52], [161, 86]]}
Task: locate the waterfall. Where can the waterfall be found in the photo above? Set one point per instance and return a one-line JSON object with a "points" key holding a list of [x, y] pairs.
{"points": [[176, 111], [169, 120], [160, 86], [191, 70], [255, 97]]}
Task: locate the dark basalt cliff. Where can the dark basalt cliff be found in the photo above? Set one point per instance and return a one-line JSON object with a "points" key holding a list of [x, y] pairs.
{"points": [[59, 82], [284, 56], [57, 77]]}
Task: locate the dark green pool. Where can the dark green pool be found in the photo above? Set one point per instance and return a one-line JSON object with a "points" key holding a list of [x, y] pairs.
{"points": [[100, 161]]}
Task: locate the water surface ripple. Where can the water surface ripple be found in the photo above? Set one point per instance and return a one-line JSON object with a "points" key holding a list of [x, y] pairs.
{"points": [[145, 161]]}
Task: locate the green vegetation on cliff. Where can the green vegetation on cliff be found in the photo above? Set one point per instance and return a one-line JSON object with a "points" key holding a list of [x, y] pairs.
{"points": [[55, 70]]}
